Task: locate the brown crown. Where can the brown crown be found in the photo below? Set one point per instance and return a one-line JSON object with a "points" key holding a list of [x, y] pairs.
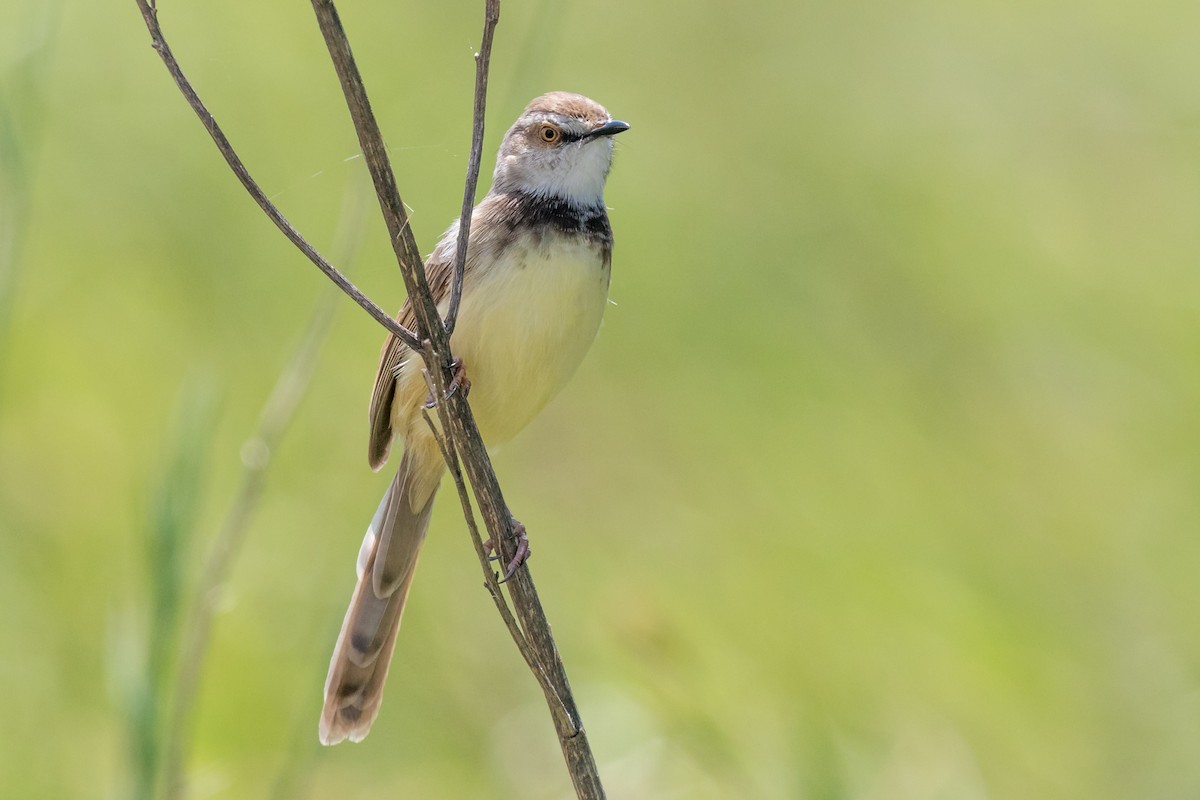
{"points": [[569, 105]]}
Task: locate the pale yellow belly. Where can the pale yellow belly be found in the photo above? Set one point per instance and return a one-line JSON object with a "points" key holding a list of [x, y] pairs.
{"points": [[524, 327]]}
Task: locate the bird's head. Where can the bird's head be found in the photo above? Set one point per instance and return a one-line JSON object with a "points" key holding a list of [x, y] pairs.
{"points": [[560, 147]]}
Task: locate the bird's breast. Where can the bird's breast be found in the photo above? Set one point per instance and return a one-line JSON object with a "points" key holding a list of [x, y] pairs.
{"points": [[526, 321]]}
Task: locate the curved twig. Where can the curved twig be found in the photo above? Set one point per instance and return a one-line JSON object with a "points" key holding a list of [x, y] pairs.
{"points": [[159, 43]]}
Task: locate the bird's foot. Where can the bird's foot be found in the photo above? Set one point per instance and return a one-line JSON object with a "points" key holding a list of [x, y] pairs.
{"points": [[459, 381], [521, 556]]}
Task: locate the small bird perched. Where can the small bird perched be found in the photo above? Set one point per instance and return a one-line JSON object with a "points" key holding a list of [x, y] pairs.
{"points": [[535, 286]]}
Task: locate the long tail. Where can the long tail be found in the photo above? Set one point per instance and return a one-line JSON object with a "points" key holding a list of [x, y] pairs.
{"points": [[386, 563]]}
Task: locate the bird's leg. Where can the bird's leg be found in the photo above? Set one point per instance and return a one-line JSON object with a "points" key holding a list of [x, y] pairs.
{"points": [[522, 554], [458, 381]]}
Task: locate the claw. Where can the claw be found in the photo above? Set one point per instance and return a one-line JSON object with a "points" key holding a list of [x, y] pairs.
{"points": [[521, 556], [458, 381]]}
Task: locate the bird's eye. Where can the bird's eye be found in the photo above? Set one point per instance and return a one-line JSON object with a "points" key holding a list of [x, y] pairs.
{"points": [[549, 134]]}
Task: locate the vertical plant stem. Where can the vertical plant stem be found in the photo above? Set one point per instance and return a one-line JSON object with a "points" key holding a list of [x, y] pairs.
{"points": [[483, 60], [175, 507]]}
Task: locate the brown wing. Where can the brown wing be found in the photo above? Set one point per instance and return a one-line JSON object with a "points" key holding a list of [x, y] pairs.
{"points": [[437, 272]]}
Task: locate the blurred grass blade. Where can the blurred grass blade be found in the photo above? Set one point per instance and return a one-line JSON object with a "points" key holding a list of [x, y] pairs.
{"points": [[174, 507], [289, 390], [22, 111]]}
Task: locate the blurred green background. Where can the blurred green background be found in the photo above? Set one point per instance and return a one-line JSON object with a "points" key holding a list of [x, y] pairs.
{"points": [[881, 482]]}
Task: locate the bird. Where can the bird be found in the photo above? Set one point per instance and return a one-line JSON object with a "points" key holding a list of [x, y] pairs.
{"points": [[535, 286]]}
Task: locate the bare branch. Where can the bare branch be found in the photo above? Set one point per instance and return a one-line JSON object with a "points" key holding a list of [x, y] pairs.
{"points": [[483, 60], [159, 43], [437, 390], [412, 268]]}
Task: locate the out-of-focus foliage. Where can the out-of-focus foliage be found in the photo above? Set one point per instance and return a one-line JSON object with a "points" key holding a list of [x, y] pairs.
{"points": [[882, 480]]}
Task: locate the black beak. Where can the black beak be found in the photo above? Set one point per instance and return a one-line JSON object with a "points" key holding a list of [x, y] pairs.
{"points": [[610, 128]]}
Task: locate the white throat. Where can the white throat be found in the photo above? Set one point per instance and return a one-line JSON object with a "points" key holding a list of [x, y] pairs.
{"points": [[576, 176]]}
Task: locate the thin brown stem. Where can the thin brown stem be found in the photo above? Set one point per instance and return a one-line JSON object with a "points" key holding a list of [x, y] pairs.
{"points": [[159, 43], [483, 60], [491, 580], [374, 151]]}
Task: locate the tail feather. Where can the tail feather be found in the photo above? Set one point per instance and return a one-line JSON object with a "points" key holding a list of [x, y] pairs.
{"points": [[406, 508], [386, 564]]}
